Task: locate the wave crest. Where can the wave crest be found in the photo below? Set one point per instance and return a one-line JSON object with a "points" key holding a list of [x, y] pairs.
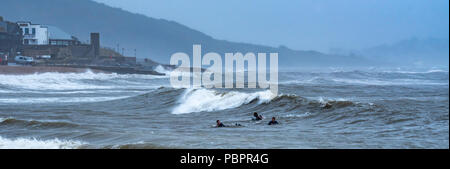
{"points": [[33, 143], [71, 81], [36, 123], [199, 100]]}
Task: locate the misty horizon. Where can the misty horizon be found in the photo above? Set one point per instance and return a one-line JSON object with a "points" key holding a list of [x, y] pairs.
{"points": [[305, 25]]}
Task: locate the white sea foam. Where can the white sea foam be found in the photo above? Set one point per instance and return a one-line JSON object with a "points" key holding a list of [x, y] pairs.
{"points": [[298, 115], [68, 81], [321, 100], [33, 143], [59, 99], [161, 69], [198, 100], [87, 84], [373, 82], [3, 119], [397, 82], [418, 72]]}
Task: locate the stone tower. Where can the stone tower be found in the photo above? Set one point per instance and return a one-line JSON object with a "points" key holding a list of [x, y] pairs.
{"points": [[95, 43]]}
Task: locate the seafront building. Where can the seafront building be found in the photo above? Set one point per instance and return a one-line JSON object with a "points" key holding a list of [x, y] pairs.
{"points": [[51, 45], [10, 40], [34, 34]]}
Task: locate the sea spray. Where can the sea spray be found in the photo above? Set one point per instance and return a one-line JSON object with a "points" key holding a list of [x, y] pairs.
{"points": [[198, 100]]}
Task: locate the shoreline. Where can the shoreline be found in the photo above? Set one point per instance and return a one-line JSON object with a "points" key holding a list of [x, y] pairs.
{"points": [[26, 70]]}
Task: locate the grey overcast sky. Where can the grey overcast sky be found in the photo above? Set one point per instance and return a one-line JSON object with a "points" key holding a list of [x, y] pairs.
{"points": [[303, 24]]}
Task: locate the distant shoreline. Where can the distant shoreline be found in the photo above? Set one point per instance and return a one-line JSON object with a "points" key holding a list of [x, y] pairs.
{"points": [[24, 70]]}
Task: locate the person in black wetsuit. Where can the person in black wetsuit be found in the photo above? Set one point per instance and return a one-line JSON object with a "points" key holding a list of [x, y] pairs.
{"points": [[219, 124], [257, 117], [273, 122]]}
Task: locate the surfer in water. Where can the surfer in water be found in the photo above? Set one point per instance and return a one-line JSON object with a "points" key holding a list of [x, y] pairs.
{"points": [[327, 106], [257, 116], [273, 122], [219, 124]]}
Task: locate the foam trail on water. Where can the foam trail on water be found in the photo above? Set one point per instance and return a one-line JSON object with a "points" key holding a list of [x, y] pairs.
{"points": [[198, 100], [398, 82], [33, 143], [69, 81], [59, 100]]}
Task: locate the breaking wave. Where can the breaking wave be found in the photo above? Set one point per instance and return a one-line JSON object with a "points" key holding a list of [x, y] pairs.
{"points": [[59, 100], [71, 81], [206, 100], [376, 82], [199, 100], [418, 72], [161, 69], [368, 82], [33, 143]]}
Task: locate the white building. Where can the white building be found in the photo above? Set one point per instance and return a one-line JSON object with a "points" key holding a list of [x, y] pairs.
{"points": [[34, 34]]}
